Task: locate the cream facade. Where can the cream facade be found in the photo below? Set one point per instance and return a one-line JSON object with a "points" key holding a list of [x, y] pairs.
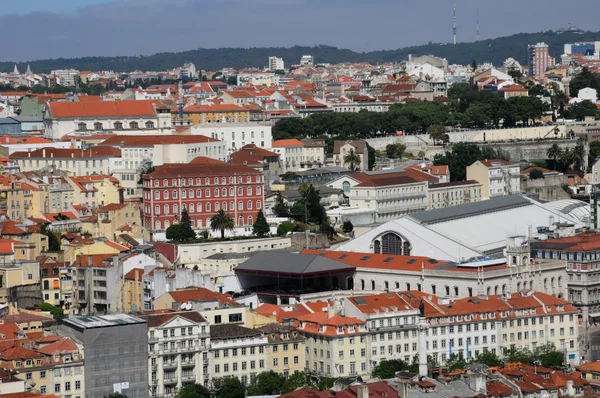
{"points": [[239, 352], [286, 348], [453, 194], [235, 135], [497, 177]]}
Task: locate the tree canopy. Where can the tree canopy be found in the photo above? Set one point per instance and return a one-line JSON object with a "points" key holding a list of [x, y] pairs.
{"points": [[315, 212], [387, 369], [228, 387], [193, 391]]}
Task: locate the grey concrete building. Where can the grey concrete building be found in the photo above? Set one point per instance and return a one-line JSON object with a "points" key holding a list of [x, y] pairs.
{"points": [[115, 353]]}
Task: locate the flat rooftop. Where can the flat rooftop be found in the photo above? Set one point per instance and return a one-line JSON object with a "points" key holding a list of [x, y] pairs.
{"points": [[102, 321]]}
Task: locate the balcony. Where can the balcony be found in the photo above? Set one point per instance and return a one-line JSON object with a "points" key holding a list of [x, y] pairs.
{"points": [[170, 379], [170, 365], [191, 377], [188, 364]]}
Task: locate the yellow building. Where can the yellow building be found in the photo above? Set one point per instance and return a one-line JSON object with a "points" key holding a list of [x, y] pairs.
{"points": [[114, 217], [50, 276], [216, 113], [286, 348], [24, 200], [95, 191], [55, 366], [133, 290], [31, 242], [336, 345]]}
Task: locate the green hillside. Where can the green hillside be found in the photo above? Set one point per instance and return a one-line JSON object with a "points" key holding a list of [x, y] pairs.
{"points": [[492, 50]]}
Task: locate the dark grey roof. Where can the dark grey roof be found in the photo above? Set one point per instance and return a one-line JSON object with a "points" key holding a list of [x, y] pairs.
{"points": [[8, 120], [293, 194], [470, 209], [28, 118], [291, 263], [234, 256], [323, 170], [231, 331]]}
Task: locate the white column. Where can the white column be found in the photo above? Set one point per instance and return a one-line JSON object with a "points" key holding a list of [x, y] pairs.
{"points": [[422, 346]]}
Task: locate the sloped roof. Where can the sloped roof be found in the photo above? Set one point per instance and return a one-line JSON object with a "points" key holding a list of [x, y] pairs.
{"points": [[290, 263], [101, 109]]}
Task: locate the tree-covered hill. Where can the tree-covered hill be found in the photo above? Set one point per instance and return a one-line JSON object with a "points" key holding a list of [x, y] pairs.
{"points": [[491, 50]]}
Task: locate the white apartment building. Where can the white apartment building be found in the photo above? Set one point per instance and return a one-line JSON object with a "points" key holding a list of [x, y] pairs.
{"points": [[276, 63], [314, 153], [119, 117], [497, 176], [237, 351], [66, 77], [80, 162], [138, 153], [178, 351], [291, 154], [307, 60], [236, 135], [453, 193], [389, 194]]}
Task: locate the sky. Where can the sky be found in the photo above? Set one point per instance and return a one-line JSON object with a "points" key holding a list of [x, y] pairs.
{"points": [[41, 29]]}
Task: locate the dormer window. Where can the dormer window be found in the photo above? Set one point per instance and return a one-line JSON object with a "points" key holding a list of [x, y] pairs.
{"points": [[134, 125], [28, 362], [57, 358], [17, 364], [38, 362], [76, 356], [149, 125], [340, 329], [67, 358], [98, 126], [118, 126]]}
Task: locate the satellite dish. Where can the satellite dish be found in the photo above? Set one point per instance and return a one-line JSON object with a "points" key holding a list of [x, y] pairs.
{"points": [[188, 306], [182, 306]]}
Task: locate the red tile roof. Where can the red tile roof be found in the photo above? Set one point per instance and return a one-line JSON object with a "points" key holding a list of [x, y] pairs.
{"points": [[200, 294], [199, 167], [495, 162], [287, 143], [251, 154], [213, 108], [101, 109], [134, 274]]}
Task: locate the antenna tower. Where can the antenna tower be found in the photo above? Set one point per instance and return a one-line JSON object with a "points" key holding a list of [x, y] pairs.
{"points": [[454, 25], [478, 24]]}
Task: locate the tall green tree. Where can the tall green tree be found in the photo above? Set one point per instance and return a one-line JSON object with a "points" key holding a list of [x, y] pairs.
{"points": [[583, 79], [228, 387], [281, 209], [54, 244], [309, 206], [186, 233], [172, 233], [221, 222], [266, 383], [261, 226], [387, 369], [554, 152], [352, 160], [193, 391], [437, 133]]}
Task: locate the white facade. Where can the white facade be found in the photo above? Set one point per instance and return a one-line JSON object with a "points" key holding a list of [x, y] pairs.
{"points": [[291, 157], [236, 135], [178, 354], [307, 60], [80, 166], [276, 63], [67, 77], [12, 148], [452, 194], [588, 94], [498, 177]]}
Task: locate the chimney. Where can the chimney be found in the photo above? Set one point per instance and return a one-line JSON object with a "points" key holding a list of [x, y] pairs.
{"points": [[570, 388], [362, 391], [330, 310], [73, 143], [43, 152]]}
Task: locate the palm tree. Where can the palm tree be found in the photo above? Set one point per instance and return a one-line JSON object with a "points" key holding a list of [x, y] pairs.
{"points": [[579, 154], [222, 221], [554, 152], [352, 159]]}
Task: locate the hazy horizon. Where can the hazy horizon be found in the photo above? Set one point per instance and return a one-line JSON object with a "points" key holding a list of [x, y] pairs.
{"points": [[80, 28]]}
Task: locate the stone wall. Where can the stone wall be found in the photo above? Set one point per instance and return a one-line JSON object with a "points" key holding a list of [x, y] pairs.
{"points": [[529, 150]]}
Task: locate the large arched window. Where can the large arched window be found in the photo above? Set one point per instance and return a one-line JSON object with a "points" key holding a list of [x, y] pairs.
{"points": [[391, 243], [346, 186]]}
